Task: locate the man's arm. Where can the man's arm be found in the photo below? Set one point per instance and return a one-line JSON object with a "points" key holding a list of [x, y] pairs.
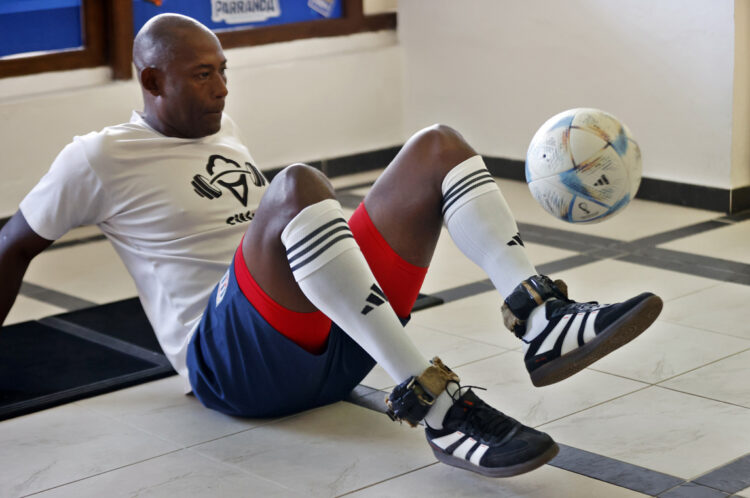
{"points": [[19, 244]]}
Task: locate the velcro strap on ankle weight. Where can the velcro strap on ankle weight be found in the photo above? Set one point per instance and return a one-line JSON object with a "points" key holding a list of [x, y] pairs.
{"points": [[411, 400], [528, 295]]}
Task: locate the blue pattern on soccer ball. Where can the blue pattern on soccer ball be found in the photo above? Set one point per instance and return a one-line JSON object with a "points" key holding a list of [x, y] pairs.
{"points": [[564, 122], [620, 144], [573, 182]]}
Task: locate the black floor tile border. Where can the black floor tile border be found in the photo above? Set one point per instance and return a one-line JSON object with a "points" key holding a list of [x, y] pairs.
{"points": [[76, 242], [613, 471], [53, 297], [693, 490], [730, 478]]}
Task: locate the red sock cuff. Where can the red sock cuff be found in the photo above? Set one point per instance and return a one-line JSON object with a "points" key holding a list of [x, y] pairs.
{"points": [[307, 330], [399, 279]]}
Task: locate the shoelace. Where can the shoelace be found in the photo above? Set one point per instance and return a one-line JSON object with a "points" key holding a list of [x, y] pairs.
{"points": [[578, 307], [492, 423]]}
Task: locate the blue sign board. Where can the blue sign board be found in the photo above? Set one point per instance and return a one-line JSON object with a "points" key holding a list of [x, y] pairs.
{"points": [[39, 25], [228, 14]]}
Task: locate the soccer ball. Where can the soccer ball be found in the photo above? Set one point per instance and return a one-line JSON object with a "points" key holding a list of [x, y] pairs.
{"points": [[583, 166]]}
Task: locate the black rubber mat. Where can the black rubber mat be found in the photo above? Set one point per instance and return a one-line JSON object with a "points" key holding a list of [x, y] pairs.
{"points": [[60, 359], [124, 320]]}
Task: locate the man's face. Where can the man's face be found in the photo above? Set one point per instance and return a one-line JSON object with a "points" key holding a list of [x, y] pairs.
{"points": [[194, 88]]}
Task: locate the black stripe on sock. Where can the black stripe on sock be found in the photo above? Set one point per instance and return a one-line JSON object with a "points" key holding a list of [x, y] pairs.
{"points": [[314, 233], [463, 180], [377, 291], [317, 242], [472, 187], [373, 299], [322, 250], [459, 187]]}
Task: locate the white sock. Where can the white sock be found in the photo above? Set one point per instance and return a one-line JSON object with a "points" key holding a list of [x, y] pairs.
{"points": [[333, 274], [482, 225]]}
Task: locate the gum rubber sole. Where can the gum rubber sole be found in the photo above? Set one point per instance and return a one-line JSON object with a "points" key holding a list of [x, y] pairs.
{"points": [[513, 470], [625, 329]]}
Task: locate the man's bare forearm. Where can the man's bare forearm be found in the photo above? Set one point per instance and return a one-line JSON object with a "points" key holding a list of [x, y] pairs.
{"points": [[12, 270], [19, 244]]}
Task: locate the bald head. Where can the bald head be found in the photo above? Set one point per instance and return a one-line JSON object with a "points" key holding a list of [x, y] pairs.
{"points": [[161, 38], [181, 68]]}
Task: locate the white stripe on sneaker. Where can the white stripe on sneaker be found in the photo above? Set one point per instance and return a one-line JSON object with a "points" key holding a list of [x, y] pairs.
{"points": [[571, 338], [443, 442], [551, 339], [464, 448], [589, 332], [478, 454]]}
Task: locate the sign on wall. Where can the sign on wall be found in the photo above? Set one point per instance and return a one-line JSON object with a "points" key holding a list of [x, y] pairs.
{"points": [[227, 14]]}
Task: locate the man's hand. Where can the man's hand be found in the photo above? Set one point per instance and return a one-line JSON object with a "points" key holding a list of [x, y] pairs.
{"points": [[19, 244]]}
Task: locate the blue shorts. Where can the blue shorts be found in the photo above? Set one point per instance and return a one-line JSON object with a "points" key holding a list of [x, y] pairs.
{"points": [[239, 364]]}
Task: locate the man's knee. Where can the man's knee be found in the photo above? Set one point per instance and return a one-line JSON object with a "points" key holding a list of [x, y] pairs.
{"points": [[299, 185], [442, 145]]}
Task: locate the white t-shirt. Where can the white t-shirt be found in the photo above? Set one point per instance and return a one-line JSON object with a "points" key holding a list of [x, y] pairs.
{"points": [[174, 209]]}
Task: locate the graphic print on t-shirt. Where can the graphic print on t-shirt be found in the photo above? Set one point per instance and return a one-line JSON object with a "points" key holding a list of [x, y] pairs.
{"points": [[224, 172]]}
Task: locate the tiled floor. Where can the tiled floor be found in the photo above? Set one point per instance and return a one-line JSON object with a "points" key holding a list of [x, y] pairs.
{"points": [[676, 401]]}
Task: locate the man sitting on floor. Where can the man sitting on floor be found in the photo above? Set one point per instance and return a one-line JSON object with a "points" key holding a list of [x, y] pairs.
{"points": [[309, 302]]}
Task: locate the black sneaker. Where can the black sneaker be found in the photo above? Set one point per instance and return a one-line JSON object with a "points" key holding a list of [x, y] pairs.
{"points": [[575, 335], [479, 438]]}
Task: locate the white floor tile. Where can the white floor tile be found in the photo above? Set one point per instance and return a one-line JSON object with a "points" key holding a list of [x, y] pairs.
{"points": [[442, 481], [509, 389], [326, 452], [378, 378], [26, 308], [725, 380], [745, 493], [90, 271], [181, 474], [477, 318], [674, 433], [450, 267], [611, 281], [639, 219], [668, 349], [161, 408], [64, 444], [721, 308], [452, 349], [730, 242]]}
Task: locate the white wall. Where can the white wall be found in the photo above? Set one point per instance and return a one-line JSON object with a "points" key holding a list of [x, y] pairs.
{"points": [[741, 115], [496, 69], [298, 101]]}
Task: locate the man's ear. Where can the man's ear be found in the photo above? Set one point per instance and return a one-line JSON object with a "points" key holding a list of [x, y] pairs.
{"points": [[152, 81]]}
